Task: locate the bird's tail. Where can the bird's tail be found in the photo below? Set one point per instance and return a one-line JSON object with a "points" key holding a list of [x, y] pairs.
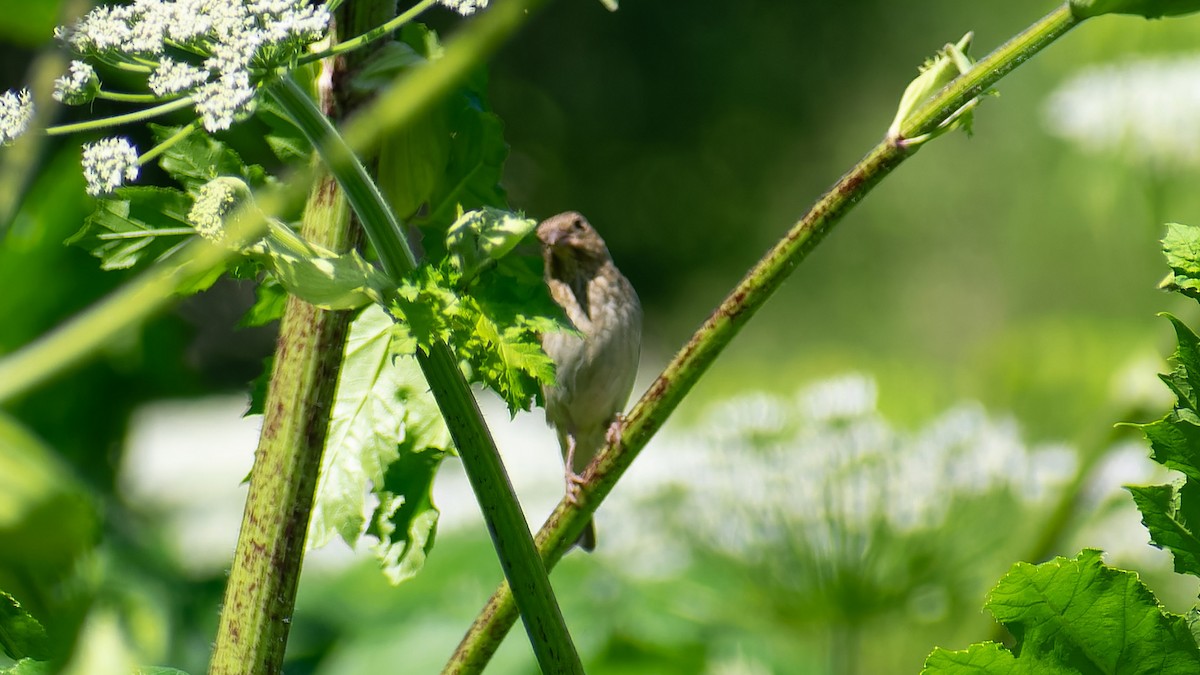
{"points": [[587, 538]]}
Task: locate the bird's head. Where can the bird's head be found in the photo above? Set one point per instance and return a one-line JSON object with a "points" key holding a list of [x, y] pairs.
{"points": [[570, 235]]}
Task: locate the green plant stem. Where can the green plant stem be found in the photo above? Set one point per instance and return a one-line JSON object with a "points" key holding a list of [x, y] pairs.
{"points": [[185, 131], [123, 97], [371, 35], [502, 512], [117, 120], [261, 592], [566, 522]]}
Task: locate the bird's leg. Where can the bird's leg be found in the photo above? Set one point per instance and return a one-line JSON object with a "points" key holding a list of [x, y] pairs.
{"points": [[574, 480]]}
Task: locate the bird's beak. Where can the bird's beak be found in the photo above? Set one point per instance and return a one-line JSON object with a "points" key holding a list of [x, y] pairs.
{"points": [[549, 236]]}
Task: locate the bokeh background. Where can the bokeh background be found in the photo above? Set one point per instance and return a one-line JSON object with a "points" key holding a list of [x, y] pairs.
{"points": [[930, 398]]}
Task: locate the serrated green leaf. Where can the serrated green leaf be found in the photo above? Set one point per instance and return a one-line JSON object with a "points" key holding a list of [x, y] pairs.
{"points": [[1172, 513], [1077, 616], [198, 158], [1181, 246], [986, 658], [21, 635], [510, 361], [1092, 616], [121, 232], [382, 413], [405, 523], [1175, 441], [1184, 380]]}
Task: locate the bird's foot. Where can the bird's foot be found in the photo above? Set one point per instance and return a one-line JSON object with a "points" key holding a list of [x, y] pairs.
{"points": [[613, 435], [574, 483]]}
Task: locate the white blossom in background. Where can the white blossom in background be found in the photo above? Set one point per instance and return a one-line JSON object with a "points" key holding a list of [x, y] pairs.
{"points": [[108, 164], [1149, 109], [16, 110], [820, 472], [465, 7]]}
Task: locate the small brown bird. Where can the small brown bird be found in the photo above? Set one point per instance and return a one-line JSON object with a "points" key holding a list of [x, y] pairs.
{"points": [[595, 368]]}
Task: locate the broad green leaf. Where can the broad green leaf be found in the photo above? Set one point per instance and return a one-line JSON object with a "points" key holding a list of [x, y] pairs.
{"points": [[285, 139], [1184, 380], [382, 413], [21, 635], [1150, 9], [123, 230], [270, 298], [1181, 246], [199, 158], [988, 658], [1172, 513], [484, 235], [31, 667], [1175, 441], [1078, 616], [405, 522]]}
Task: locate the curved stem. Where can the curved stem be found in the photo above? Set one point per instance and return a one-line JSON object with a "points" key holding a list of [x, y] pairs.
{"points": [[139, 116], [124, 97]]}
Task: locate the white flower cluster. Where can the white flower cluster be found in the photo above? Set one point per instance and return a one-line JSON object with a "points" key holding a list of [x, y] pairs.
{"points": [[75, 87], [16, 110], [109, 163], [465, 7], [214, 199], [1147, 109], [233, 38], [821, 475]]}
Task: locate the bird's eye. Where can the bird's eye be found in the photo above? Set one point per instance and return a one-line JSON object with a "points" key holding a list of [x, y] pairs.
{"points": [[577, 225]]}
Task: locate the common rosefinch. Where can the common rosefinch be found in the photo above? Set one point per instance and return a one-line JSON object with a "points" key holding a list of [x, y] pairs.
{"points": [[596, 367]]}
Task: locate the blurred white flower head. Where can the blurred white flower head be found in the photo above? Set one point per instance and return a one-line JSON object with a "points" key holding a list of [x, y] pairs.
{"points": [[1148, 110], [16, 110], [821, 474]]}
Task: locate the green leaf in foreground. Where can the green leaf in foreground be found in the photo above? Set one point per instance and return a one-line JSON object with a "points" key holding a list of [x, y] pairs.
{"points": [[383, 420], [1077, 616], [21, 635], [1172, 513], [30, 667], [127, 229]]}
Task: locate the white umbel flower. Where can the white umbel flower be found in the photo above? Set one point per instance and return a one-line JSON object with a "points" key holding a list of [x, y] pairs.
{"points": [[78, 86], [16, 110], [1145, 110], [109, 163], [172, 77], [465, 7]]}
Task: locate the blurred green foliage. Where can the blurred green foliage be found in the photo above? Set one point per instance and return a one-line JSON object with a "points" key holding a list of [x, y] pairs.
{"points": [[1011, 267]]}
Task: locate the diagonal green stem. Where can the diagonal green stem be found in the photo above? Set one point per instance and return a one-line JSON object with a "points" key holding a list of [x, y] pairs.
{"points": [[567, 521], [372, 35]]}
